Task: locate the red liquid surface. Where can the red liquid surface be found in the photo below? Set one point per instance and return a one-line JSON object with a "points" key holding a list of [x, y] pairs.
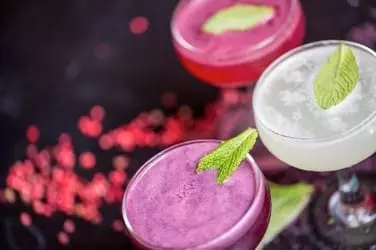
{"points": [[248, 52]]}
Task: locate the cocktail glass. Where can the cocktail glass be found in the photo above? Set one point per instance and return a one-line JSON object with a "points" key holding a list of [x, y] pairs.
{"points": [[234, 59], [168, 206], [299, 133]]}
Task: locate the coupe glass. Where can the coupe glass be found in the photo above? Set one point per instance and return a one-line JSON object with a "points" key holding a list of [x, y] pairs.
{"points": [[234, 59], [299, 133]]}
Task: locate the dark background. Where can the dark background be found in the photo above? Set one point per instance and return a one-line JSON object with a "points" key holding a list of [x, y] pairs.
{"points": [[49, 76]]}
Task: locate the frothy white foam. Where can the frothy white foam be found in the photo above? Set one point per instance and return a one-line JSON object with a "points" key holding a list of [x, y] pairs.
{"points": [[286, 102]]}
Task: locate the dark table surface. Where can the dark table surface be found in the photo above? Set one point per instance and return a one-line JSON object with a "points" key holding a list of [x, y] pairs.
{"points": [[57, 58]]}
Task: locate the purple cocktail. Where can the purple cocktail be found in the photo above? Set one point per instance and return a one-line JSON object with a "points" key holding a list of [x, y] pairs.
{"points": [[167, 205]]}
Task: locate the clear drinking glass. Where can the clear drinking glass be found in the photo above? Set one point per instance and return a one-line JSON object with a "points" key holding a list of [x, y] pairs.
{"points": [[299, 133], [236, 58], [160, 196]]}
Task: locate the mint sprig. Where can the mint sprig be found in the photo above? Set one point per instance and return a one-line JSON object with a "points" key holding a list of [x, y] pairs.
{"points": [[227, 157], [239, 17], [337, 78]]}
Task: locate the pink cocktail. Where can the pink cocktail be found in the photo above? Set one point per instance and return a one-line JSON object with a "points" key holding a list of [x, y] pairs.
{"points": [[235, 57], [167, 205]]}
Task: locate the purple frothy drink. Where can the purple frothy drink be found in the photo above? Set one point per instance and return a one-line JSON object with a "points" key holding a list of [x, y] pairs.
{"points": [[167, 205]]}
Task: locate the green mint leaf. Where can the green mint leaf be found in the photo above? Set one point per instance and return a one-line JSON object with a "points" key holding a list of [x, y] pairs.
{"points": [[239, 17], [288, 201], [227, 157], [337, 78]]}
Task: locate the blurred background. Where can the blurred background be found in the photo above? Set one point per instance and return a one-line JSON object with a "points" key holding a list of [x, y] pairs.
{"points": [[94, 86]]}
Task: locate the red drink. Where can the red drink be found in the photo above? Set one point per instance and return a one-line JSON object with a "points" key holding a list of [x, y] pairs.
{"points": [[234, 58]]}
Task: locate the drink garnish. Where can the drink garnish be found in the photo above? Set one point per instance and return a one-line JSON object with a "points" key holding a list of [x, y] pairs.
{"points": [[288, 201], [227, 157], [239, 17], [337, 78]]}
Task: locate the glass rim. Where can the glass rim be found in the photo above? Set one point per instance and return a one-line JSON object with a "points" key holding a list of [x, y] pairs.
{"points": [[291, 53], [259, 185], [294, 5]]}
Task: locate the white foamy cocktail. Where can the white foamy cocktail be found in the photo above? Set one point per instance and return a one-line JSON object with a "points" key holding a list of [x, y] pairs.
{"points": [[296, 130]]}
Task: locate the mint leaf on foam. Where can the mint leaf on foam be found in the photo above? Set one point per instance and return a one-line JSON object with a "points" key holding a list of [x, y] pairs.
{"points": [[239, 17], [227, 157], [337, 78]]}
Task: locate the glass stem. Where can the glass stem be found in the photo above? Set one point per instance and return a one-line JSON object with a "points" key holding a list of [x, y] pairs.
{"points": [[349, 187]]}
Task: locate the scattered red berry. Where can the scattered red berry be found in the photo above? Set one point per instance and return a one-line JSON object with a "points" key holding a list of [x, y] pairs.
{"points": [[9, 195], [138, 25], [87, 160], [105, 142], [65, 138], [69, 226], [32, 134], [156, 117], [117, 177], [117, 225], [38, 207], [125, 140], [25, 219], [63, 238], [89, 127], [120, 162], [97, 113], [66, 158]]}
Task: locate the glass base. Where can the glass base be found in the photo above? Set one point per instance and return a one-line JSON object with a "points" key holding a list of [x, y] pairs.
{"points": [[351, 228], [351, 216]]}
